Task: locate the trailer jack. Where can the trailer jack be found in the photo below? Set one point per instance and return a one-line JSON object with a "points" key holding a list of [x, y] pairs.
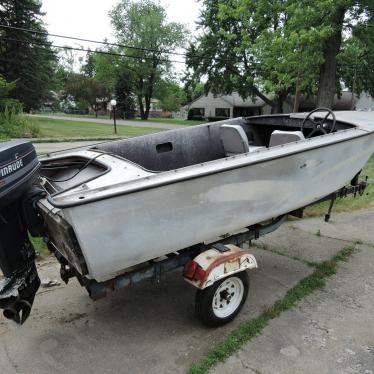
{"points": [[356, 188]]}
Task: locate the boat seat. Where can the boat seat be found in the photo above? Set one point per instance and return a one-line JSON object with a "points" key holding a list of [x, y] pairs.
{"points": [[234, 140], [279, 137]]}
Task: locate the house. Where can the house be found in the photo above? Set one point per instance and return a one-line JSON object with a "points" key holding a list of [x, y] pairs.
{"points": [[365, 102], [227, 106], [234, 105]]}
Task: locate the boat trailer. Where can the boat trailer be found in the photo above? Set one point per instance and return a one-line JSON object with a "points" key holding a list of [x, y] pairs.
{"points": [[155, 269], [217, 269]]}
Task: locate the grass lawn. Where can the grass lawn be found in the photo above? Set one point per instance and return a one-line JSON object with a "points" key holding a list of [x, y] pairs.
{"points": [[174, 121], [349, 203], [57, 128]]}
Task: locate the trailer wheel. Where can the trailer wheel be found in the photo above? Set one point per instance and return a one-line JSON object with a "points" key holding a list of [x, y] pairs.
{"points": [[218, 304]]}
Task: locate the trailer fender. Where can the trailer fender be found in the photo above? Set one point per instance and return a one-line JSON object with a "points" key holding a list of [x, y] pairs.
{"points": [[216, 263]]}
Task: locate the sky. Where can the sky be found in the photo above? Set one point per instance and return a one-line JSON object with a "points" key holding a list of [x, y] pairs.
{"points": [[89, 19]]}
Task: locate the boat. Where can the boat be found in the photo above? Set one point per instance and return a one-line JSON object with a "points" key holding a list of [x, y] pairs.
{"points": [[107, 209]]}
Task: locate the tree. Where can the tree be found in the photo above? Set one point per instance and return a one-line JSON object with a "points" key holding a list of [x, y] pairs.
{"points": [[5, 90], [279, 46], [225, 51], [103, 66], [88, 68], [144, 27], [25, 57], [170, 95], [356, 60], [192, 90], [86, 91], [341, 17], [124, 95]]}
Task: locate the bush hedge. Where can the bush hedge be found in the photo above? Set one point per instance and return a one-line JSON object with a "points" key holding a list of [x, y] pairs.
{"points": [[14, 125], [217, 118]]}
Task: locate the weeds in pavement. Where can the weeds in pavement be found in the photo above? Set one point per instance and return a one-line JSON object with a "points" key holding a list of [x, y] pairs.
{"points": [[248, 330]]}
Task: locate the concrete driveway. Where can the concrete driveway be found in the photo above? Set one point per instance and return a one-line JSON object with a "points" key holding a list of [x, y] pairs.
{"points": [[151, 328]]}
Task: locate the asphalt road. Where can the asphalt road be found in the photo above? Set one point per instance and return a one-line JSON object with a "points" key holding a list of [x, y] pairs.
{"points": [[151, 328], [155, 125]]}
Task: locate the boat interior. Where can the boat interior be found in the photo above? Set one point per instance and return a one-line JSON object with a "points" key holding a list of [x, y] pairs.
{"points": [[188, 146], [179, 148]]}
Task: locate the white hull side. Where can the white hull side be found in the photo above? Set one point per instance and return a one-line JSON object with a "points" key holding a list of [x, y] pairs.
{"points": [[123, 231]]}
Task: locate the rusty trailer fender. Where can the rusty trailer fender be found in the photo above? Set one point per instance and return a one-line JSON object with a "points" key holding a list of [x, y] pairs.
{"points": [[215, 264]]}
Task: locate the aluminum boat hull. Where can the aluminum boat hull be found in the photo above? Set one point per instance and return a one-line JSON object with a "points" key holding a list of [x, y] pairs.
{"points": [[134, 224]]}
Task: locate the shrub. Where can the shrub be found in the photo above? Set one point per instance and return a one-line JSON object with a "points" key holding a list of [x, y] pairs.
{"points": [[130, 114], [196, 118], [217, 118], [196, 114], [14, 125]]}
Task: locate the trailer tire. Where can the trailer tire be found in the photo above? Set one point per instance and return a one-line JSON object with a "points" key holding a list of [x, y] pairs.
{"points": [[212, 304]]}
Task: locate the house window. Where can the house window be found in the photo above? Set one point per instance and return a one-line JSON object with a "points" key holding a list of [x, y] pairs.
{"points": [[197, 112], [246, 111], [222, 112]]}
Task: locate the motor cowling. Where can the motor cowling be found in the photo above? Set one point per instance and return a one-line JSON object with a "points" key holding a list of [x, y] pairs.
{"points": [[19, 170]]}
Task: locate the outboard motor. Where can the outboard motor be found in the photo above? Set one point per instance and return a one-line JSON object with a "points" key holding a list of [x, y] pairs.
{"points": [[19, 168]]}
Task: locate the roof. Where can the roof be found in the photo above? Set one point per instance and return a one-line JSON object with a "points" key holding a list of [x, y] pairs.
{"points": [[235, 100], [341, 102]]}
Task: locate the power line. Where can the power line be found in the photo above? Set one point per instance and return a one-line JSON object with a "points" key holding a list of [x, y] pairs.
{"points": [[81, 49], [254, 66], [91, 41], [45, 45], [218, 59]]}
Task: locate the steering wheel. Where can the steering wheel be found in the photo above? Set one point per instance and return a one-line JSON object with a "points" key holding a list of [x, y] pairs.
{"points": [[319, 126]]}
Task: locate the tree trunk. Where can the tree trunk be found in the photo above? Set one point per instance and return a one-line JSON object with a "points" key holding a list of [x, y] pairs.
{"points": [[140, 98], [147, 106], [327, 75], [296, 103], [148, 97], [279, 107], [354, 87], [269, 102], [141, 107], [278, 102]]}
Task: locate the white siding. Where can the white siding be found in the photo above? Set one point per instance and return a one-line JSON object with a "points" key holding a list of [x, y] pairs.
{"points": [[287, 107], [365, 102], [210, 103]]}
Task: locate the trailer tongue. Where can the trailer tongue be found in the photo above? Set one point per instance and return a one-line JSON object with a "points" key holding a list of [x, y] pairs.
{"points": [[18, 170]]}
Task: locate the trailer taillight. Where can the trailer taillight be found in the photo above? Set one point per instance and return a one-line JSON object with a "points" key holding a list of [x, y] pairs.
{"points": [[192, 270], [199, 273]]}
